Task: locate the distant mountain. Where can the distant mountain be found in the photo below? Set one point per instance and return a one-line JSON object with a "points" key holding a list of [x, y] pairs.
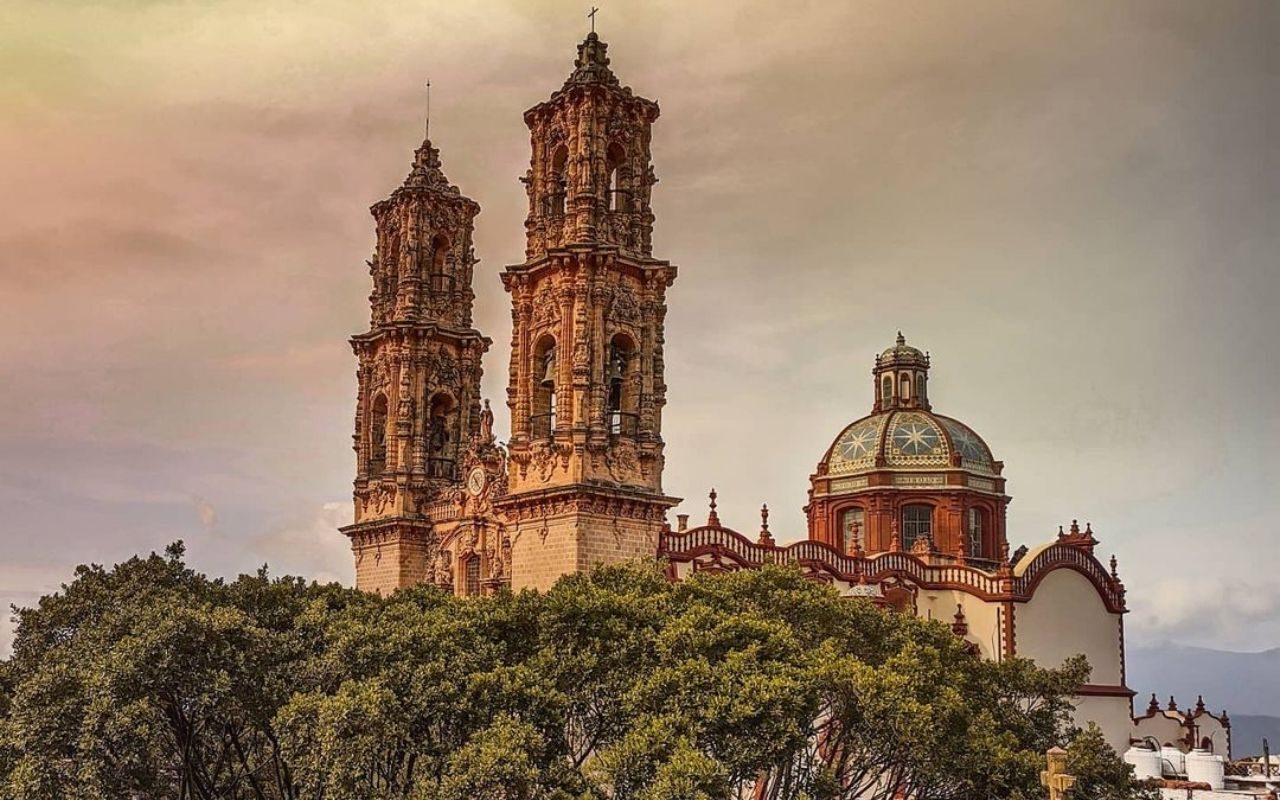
{"points": [[1247, 733], [1246, 684]]}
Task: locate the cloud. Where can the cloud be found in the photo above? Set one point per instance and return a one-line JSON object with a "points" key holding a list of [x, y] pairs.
{"points": [[310, 546], [1070, 205], [205, 511]]}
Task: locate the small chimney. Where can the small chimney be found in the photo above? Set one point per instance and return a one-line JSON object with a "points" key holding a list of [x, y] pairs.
{"points": [[682, 523]]}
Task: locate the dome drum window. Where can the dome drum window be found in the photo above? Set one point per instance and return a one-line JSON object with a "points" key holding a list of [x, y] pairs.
{"points": [[917, 523]]}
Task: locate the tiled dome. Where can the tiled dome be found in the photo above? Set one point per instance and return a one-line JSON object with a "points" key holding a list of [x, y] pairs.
{"points": [[906, 440]]}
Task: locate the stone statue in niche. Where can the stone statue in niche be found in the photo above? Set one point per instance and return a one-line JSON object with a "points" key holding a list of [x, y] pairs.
{"points": [[486, 423]]}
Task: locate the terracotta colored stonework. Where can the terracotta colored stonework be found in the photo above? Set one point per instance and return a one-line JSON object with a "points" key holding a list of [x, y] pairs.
{"points": [[437, 500]]}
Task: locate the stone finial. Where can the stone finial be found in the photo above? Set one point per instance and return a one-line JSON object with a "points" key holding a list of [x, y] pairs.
{"points": [[766, 538], [1075, 528], [959, 625], [1199, 704], [1115, 574], [855, 543], [1061, 534], [1173, 704], [682, 522], [1154, 706], [923, 546], [713, 519], [902, 340], [1224, 719], [426, 172], [592, 63]]}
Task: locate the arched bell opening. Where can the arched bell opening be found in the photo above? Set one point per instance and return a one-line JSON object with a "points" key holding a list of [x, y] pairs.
{"points": [[558, 183], [442, 436], [439, 279], [378, 436], [622, 373], [615, 160], [542, 417]]}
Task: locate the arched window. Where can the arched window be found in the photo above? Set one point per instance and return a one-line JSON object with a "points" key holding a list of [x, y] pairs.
{"points": [[441, 437], [621, 402], [917, 523], [559, 182], [975, 527], [542, 419], [471, 574], [852, 527], [438, 278], [614, 158], [378, 436], [886, 390], [920, 396], [905, 393]]}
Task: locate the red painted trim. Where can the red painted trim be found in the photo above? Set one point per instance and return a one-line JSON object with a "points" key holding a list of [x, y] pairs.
{"points": [[1102, 690]]}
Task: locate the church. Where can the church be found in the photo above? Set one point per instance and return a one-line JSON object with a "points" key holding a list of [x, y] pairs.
{"points": [[906, 508]]}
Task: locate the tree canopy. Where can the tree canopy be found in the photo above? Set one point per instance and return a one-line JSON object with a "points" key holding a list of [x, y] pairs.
{"points": [[150, 680]]}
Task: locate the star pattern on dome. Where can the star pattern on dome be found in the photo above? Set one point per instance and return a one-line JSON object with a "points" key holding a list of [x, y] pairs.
{"points": [[915, 438], [972, 449], [859, 442]]}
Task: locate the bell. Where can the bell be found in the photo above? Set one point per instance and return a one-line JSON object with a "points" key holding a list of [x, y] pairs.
{"points": [[549, 374], [617, 364]]}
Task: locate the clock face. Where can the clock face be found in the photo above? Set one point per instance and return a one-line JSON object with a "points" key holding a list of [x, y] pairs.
{"points": [[476, 480]]}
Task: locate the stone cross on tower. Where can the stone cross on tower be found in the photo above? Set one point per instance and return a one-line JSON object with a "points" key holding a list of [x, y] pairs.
{"points": [[586, 386]]}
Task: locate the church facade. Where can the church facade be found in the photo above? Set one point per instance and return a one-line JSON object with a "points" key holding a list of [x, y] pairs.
{"points": [[906, 508]]}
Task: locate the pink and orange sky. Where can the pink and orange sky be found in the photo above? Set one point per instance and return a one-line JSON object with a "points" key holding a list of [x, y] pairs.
{"points": [[1072, 205]]}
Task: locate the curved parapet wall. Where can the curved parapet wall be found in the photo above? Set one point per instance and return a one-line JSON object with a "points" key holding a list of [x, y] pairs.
{"points": [[718, 548]]}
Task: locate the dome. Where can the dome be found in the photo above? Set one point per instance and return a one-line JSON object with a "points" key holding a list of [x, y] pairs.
{"points": [[905, 440], [903, 353]]}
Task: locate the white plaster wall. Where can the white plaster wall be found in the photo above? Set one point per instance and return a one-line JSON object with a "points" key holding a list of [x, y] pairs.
{"points": [[1112, 715], [1164, 730], [1066, 616], [983, 618]]}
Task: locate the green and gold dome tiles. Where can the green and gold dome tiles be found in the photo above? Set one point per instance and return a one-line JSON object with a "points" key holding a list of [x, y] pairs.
{"points": [[910, 440]]}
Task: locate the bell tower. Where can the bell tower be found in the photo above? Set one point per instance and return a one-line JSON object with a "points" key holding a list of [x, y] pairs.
{"points": [[586, 386], [418, 401]]}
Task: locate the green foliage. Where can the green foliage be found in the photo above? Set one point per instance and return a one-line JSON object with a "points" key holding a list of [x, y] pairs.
{"points": [[149, 680], [1100, 774]]}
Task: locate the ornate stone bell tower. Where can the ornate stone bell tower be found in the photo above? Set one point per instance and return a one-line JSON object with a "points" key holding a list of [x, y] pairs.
{"points": [[418, 404], [586, 384]]}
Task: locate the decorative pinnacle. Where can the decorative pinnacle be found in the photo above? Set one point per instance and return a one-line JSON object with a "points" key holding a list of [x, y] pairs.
{"points": [[426, 131], [901, 339], [1173, 705], [1114, 574], [855, 545], [713, 518], [1200, 702], [766, 538], [1154, 705]]}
